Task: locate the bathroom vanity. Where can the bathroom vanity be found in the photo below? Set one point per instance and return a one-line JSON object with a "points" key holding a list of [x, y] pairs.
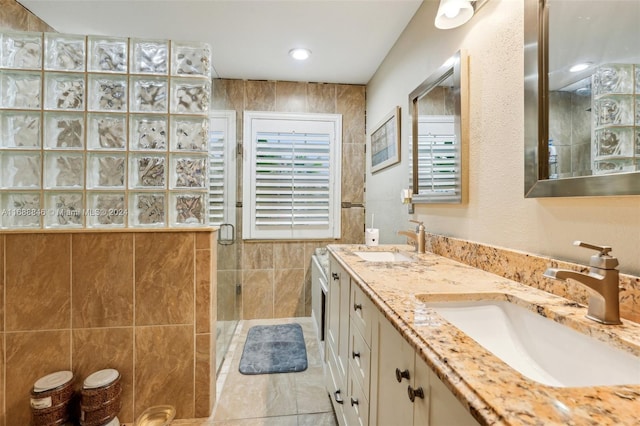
{"points": [[392, 358]]}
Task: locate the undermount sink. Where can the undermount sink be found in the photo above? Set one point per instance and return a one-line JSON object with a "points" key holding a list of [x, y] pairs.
{"points": [[539, 348], [383, 256]]}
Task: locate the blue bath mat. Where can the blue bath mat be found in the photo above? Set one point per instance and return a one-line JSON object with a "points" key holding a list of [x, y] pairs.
{"points": [[274, 349]]}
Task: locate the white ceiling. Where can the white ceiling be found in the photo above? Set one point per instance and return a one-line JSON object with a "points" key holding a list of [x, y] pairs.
{"points": [[250, 39]]}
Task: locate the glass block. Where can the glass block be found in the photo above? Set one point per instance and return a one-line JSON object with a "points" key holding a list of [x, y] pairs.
{"points": [[613, 78], [638, 110], [64, 91], [64, 52], [106, 171], [20, 130], [21, 210], [149, 56], [148, 132], [147, 210], [614, 110], [63, 170], [147, 171], [21, 50], [188, 172], [614, 142], [187, 209], [189, 133], [148, 94], [189, 96], [63, 130], [190, 59], [106, 209], [107, 131], [107, 54], [63, 209], [20, 90], [613, 166], [637, 68], [107, 93], [20, 170]]}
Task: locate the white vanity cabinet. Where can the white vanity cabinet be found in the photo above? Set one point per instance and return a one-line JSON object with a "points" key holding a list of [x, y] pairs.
{"points": [[404, 390], [393, 372], [373, 375], [337, 337]]}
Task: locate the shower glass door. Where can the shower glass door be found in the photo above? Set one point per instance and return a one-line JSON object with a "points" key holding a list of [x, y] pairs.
{"points": [[222, 213]]}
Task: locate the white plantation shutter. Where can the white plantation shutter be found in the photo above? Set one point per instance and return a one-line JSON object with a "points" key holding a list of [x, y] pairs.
{"points": [[222, 166], [438, 159], [216, 177], [292, 176]]}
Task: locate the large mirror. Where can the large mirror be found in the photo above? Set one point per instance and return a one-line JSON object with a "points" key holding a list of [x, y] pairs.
{"points": [[582, 98], [437, 109]]}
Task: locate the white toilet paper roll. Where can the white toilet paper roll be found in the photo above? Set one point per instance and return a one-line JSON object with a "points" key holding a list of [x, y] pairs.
{"points": [[371, 236]]}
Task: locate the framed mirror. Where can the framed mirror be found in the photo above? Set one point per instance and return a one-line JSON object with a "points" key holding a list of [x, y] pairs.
{"points": [[582, 98], [438, 113]]}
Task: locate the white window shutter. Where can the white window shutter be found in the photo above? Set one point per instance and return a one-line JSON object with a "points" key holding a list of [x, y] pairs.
{"points": [[291, 176], [438, 159], [222, 168]]}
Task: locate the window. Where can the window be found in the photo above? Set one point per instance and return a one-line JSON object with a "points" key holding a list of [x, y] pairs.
{"points": [[222, 168], [291, 177]]}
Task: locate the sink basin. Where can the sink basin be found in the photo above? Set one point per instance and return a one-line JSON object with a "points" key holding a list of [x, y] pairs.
{"points": [[383, 256], [539, 348]]}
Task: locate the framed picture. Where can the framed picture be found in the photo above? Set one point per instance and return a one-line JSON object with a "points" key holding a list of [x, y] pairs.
{"points": [[385, 142]]}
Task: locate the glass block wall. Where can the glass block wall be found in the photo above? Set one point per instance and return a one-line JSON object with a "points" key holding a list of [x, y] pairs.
{"points": [[616, 118], [102, 132]]}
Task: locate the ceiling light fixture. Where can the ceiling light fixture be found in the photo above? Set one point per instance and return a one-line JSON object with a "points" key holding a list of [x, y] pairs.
{"points": [[453, 13], [300, 53], [580, 67]]}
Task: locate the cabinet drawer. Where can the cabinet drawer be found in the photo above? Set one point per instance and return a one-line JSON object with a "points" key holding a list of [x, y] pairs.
{"points": [[360, 359], [361, 312], [356, 406]]}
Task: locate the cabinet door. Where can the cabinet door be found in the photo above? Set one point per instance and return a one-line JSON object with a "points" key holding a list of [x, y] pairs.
{"points": [[445, 408], [390, 404], [421, 390], [333, 306], [343, 339]]}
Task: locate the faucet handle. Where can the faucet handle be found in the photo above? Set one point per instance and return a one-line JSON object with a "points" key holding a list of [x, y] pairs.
{"points": [[419, 222], [604, 250], [602, 259]]}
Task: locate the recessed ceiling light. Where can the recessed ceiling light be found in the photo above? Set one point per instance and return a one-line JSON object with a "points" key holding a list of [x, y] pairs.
{"points": [[300, 53], [580, 67]]}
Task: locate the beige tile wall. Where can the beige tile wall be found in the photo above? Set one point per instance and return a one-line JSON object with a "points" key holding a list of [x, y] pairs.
{"points": [[13, 16], [275, 275], [140, 302]]}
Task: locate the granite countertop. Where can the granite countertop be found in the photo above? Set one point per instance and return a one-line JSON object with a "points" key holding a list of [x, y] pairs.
{"points": [[494, 393]]}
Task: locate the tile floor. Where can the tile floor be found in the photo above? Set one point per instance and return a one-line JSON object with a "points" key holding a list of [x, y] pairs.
{"points": [[289, 399]]}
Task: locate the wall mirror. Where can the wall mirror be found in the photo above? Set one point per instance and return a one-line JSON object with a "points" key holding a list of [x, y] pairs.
{"points": [[437, 109], [582, 98]]}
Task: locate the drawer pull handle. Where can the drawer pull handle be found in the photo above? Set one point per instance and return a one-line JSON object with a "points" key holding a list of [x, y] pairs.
{"points": [[355, 355], [335, 276], [413, 393], [354, 402], [357, 306], [404, 374], [336, 396]]}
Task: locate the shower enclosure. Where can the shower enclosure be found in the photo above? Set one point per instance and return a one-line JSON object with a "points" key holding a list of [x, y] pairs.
{"points": [[222, 213]]}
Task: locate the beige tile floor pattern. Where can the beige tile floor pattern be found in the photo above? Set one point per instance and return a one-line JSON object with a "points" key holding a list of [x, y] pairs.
{"points": [[289, 399]]}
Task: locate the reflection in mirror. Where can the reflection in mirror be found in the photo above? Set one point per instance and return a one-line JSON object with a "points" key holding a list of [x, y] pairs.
{"points": [[437, 139], [582, 97]]}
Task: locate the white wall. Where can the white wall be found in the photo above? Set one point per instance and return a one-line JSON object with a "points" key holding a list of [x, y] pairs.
{"points": [[497, 212]]}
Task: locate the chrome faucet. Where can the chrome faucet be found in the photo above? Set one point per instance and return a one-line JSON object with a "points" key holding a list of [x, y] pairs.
{"points": [[418, 236], [603, 277]]}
